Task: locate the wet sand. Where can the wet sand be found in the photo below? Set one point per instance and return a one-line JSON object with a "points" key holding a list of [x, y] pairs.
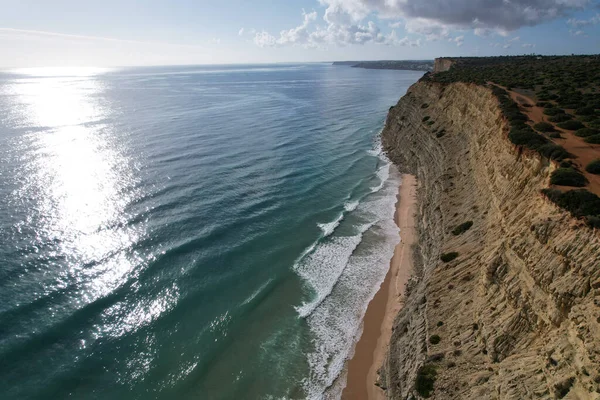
{"points": [[382, 310]]}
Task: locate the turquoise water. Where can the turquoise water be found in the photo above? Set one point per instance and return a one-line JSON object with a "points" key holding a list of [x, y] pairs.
{"points": [[190, 232]]}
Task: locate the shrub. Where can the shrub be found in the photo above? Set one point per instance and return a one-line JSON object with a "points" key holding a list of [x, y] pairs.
{"points": [[593, 222], [425, 118], [424, 105], [430, 122], [434, 339], [553, 111], [447, 257], [593, 139], [580, 202], [527, 137], [585, 111], [571, 125], [555, 135], [568, 177], [594, 167], [440, 323], [425, 380], [465, 226], [440, 133], [543, 127], [554, 151], [585, 132], [561, 118]]}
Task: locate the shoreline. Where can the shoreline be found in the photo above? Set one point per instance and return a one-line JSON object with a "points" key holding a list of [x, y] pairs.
{"points": [[371, 348]]}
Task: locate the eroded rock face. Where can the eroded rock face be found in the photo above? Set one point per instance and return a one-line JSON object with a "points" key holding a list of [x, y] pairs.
{"points": [[518, 312], [442, 64]]}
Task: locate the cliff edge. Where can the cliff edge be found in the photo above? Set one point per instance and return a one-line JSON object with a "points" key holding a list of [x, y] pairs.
{"points": [[516, 313]]}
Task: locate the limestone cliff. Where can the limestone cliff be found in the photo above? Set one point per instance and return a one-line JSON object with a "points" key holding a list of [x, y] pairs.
{"points": [[442, 64], [518, 311]]}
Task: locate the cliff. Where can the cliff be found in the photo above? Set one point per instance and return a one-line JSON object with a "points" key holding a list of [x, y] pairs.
{"points": [[442, 64], [517, 313]]}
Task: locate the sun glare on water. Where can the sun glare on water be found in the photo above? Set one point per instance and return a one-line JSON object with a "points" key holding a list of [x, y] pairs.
{"points": [[80, 179]]}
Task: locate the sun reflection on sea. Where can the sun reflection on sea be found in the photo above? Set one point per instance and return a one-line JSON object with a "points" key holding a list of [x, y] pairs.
{"points": [[81, 181]]}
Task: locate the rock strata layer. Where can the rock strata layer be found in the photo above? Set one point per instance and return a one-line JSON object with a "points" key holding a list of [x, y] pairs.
{"points": [[517, 312]]}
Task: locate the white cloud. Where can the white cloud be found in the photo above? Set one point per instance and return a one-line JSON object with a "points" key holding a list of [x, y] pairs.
{"points": [[528, 45], [578, 23], [340, 30], [241, 32]]}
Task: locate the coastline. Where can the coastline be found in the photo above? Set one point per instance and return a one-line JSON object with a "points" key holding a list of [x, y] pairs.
{"points": [[370, 350]]}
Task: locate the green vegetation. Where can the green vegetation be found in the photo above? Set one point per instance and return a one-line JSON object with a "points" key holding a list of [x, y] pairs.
{"points": [[440, 323], [522, 134], [465, 226], [571, 125], [425, 380], [585, 132], [424, 105], [440, 133], [593, 167], [553, 111], [568, 177], [595, 139], [580, 203], [425, 118], [543, 127], [434, 339], [561, 118], [447, 257]]}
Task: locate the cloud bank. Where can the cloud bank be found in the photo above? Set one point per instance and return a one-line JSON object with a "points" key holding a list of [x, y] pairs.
{"points": [[343, 22]]}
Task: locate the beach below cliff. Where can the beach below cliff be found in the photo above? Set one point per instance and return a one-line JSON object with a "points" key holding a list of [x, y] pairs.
{"points": [[379, 318]]}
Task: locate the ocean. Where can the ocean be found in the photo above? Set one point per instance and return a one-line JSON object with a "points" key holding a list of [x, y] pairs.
{"points": [[198, 232]]}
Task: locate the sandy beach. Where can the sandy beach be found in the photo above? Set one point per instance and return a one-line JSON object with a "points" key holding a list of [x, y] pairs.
{"points": [[370, 349]]}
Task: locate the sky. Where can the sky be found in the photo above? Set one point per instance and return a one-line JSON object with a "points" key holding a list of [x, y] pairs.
{"points": [[60, 33]]}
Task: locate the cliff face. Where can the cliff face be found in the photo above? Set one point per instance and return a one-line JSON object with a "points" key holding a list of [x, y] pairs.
{"points": [[442, 64], [518, 311]]}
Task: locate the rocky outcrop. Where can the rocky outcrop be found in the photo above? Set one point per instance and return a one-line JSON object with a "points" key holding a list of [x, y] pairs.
{"points": [[518, 311], [442, 64]]}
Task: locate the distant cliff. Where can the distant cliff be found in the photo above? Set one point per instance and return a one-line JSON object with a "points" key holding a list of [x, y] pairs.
{"points": [[410, 65], [516, 313], [442, 64]]}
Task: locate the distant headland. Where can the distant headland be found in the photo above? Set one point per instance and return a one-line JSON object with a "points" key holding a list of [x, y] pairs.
{"points": [[410, 65]]}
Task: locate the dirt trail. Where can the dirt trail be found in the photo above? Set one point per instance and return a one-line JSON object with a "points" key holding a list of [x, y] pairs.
{"points": [[584, 152]]}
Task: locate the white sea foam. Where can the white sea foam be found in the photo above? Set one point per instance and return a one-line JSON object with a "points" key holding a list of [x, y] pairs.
{"points": [[329, 227], [383, 174], [350, 206], [345, 273], [322, 268]]}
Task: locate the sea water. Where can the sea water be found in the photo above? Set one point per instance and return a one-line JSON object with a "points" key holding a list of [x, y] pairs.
{"points": [[204, 232]]}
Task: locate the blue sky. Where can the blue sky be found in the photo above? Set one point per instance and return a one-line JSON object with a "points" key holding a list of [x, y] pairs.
{"points": [[37, 33]]}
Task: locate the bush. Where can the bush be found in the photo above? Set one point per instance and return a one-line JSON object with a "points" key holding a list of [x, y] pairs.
{"points": [[580, 202], [555, 135], [425, 380], [527, 137], [447, 257], [440, 133], [434, 339], [593, 139], [568, 177], [585, 111], [561, 118], [585, 132], [543, 127], [571, 125], [593, 167], [424, 105], [553, 111], [465, 226], [554, 152]]}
